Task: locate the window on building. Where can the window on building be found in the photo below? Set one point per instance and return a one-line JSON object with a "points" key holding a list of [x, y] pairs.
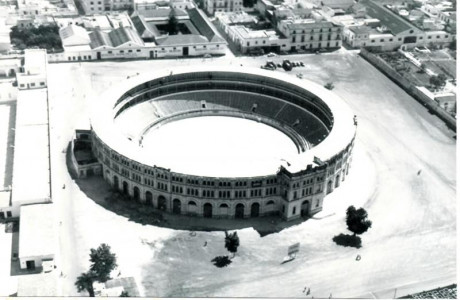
{"points": [[293, 210], [110, 52], [438, 36], [391, 40], [382, 40], [130, 51], [429, 37]]}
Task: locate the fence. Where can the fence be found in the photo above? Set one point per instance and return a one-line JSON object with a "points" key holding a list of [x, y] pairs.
{"points": [[410, 88]]}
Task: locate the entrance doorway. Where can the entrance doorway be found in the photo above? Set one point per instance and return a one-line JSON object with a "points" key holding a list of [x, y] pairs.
{"points": [[239, 211], [176, 207], [30, 265], [161, 203], [207, 210], [185, 51], [255, 210], [99, 56]]}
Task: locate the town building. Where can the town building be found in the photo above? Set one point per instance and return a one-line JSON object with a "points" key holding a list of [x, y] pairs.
{"points": [[31, 164], [392, 31], [98, 6], [146, 37], [308, 34], [212, 6], [37, 237]]}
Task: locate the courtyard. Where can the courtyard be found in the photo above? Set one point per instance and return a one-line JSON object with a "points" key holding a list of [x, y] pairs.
{"points": [[410, 247]]}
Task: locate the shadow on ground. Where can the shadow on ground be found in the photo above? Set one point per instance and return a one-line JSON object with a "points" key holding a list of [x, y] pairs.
{"points": [[347, 240], [100, 192]]}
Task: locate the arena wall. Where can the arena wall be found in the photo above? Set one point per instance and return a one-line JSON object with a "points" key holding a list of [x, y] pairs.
{"points": [[289, 193]]}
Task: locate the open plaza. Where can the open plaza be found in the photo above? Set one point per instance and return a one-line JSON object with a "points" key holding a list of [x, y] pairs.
{"points": [[403, 174]]}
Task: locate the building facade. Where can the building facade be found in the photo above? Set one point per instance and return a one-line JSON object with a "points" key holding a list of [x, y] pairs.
{"points": [[291, 192], [212, 6]]}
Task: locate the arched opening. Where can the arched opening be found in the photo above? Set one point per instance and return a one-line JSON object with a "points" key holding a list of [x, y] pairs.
{"points": [[329, 186], [176, 207], [125, 188], [161, 203], [239, 211], [115, 182], [223, 209], [136, 193], [337, 181], [255, 210], [192, 207], [304, 208], [149, 198], [207, 210]]}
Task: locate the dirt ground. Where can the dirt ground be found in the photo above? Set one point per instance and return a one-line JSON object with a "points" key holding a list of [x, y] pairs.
{"points": [[411, 245]]}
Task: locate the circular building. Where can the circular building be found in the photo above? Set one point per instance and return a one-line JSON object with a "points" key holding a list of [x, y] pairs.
{"points": [[319, 125]]}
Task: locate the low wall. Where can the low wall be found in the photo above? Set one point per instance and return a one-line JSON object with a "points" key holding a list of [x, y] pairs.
{"points": [[410, 88]]}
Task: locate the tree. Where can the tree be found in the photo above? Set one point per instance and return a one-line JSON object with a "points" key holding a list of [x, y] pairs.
{"points": [[124, 294], [232, 241], [173, 24], [357, 221], [103, 262], [438, 81], [422, 68], [85, 282]]}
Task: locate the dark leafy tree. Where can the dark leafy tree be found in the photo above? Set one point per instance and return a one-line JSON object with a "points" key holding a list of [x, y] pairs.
{"points": [[221, 261], [85, 282], [232, 242], [103, 262], [438, 81], [173, 24], [249, 3], [357, 221], [124, 294]]}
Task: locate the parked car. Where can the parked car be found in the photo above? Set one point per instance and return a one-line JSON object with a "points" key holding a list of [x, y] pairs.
{"points": [[287, 66]]}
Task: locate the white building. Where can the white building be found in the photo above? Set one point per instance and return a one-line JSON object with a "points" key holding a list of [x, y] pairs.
{"points": [[308, 34], [98, 6], [213, 6], [37, 237]]}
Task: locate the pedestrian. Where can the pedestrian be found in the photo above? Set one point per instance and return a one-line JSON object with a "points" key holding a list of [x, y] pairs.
{"points": [[330, 296], [304, 289], [419, 171], [308, 292], [205, 243], [63, 186], [358, 257]]}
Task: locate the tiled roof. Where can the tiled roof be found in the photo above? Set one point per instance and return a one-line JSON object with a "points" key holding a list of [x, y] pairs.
{"points": [[200, 22], [393, 22], [99, 38], [142, 26], [114, 38], [124, 35], [163, 13], [188, 39]]}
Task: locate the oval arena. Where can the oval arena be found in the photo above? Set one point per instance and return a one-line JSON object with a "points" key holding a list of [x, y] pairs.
{"points": [[320, 125]]}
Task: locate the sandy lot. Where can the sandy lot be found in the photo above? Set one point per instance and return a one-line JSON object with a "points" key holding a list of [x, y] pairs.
{"points": [[411, 245]]}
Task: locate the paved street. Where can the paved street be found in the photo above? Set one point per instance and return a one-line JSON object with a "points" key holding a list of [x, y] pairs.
{"points": [[413, 234]]}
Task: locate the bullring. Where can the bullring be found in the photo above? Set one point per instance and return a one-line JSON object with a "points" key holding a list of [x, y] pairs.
{"points": [[318, 122]]}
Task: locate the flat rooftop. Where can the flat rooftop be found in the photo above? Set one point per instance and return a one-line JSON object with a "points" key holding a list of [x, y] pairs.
{"points": [[31, 165], [35, 60], [37, 233]]}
